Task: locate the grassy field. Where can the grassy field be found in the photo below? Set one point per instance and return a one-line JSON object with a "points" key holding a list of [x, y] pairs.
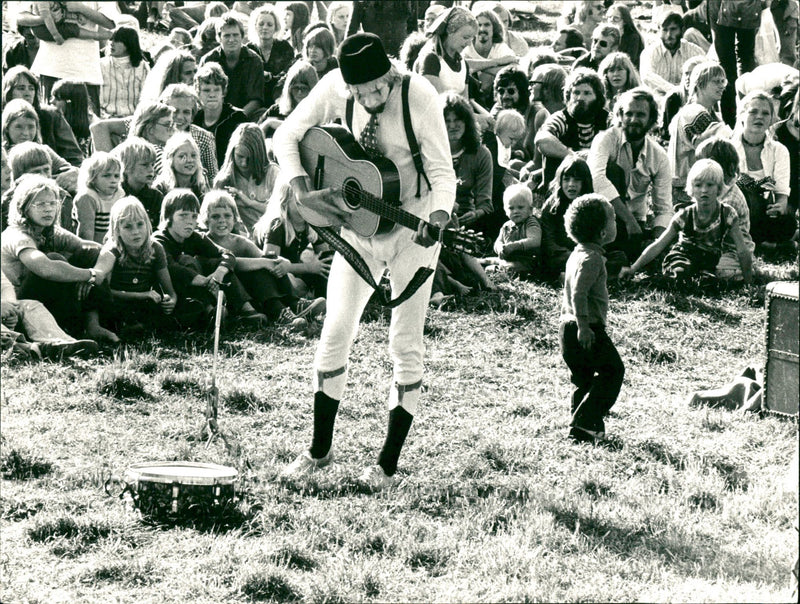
{"points": [[685, 504]]}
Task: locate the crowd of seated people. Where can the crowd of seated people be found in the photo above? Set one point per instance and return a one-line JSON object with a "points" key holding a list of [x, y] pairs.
{"points": [[127, 204]]}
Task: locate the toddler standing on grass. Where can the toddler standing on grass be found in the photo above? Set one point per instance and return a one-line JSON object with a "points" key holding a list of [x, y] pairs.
{"points": [[700, 230], [518, 243], [98, 190], [595, 366]]}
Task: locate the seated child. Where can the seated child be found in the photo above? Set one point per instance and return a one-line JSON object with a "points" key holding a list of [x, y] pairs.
{"points": [[518, 243], [32, 158], [58, 23], [247, 173], [34, 257], [45, 339], [138, 158], [265, 279], [573, 179], [197, 265], [700, 230], [724, 153], [595, 367], [283, 231], [181, 166], [98, 190], [141, 290]]}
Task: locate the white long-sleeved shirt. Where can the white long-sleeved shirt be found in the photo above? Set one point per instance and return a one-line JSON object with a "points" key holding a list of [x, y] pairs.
{"points": [[661, 70], [651, 172], [774, 159], [122, 85], [327, 102]]}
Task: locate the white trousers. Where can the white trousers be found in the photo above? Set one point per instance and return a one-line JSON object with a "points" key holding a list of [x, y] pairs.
{"points": [[348, 294]]}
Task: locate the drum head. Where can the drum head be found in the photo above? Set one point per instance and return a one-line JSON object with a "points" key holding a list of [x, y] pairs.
{"points": [[183, 472]]}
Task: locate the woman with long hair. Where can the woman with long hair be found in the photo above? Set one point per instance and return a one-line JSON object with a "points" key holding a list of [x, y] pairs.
{"points": [[264, 39], [295, 19], [618, 74], [72, 99], [300, 79], [338, 15], [631, 41], [172, 67]]}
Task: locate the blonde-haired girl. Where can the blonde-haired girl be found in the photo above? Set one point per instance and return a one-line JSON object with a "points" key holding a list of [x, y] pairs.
{"points": [[247, 174], [141, 287], [99, 188], [181, 167]]}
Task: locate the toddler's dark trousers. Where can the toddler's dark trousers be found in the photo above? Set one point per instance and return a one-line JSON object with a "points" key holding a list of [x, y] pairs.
{"points": [[597, 374]]}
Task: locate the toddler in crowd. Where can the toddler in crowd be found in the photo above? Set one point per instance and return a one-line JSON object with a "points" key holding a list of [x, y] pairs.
{"points": [[265, 279], [141, 289], [573, 179], [595, 367], [700, 230], [197, 265], [181, 166], [247, 174], [124, 70], [138, 158], [518, 243], [59, 24], [98, 190]]}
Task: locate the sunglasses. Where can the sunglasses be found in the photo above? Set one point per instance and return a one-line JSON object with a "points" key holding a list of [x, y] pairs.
{"points": [[511, 90], [600, 43]]}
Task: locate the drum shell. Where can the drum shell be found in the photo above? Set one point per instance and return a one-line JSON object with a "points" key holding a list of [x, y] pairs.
{"points": [[782, 371], [161, 500]]}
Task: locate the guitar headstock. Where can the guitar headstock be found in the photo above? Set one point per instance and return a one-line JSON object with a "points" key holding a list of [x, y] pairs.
{"points": [[464, 240]]}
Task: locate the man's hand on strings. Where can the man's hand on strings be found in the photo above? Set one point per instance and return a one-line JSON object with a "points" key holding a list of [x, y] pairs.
{"points": [[424, 235]]}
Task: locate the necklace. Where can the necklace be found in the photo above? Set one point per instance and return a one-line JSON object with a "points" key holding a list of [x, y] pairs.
{"points": [[747, 143]]}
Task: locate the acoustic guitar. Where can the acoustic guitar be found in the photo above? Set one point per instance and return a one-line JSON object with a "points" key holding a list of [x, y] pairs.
{"points": [[370, 188]]}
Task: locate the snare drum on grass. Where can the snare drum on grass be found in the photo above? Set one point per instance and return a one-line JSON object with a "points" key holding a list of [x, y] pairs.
{"points": [[178, 490]]}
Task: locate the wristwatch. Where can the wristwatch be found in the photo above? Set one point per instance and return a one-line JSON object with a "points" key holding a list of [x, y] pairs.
{"points": [[93, 276]]}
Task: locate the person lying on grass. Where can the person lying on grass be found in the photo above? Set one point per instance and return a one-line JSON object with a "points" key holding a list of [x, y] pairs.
{"points": [[699, 230], [265, 279], [141, 290], [197, 265], [34, 254]]}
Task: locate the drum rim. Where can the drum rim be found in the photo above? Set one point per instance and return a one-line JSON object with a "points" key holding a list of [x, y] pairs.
{"points": [[148, 472]]}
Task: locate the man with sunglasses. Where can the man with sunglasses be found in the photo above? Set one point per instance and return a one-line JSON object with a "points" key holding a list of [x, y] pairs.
{"points": [[605, 40]]}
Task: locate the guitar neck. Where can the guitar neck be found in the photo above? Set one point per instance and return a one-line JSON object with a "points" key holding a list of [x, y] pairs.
{"points": [[389, 212]]}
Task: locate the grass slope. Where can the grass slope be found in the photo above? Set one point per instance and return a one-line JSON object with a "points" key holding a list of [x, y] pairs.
{"points": [[685, 504]]}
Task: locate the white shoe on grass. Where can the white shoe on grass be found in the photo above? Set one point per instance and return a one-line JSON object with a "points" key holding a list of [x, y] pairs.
{"points": [[304, 464], [375, 479]]}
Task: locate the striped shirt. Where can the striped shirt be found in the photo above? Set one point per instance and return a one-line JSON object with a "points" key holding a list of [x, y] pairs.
{"points": [[122, 85]]}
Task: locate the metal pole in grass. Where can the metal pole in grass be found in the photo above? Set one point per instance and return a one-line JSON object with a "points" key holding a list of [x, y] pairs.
{"points": [[211, 427]]}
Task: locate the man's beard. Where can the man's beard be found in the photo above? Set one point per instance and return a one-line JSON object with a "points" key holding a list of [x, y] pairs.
{"points": [[583, 112], [634, 132]]}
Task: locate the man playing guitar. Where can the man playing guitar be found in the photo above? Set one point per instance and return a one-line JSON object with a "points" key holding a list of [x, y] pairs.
{"points": [[367, 75]]}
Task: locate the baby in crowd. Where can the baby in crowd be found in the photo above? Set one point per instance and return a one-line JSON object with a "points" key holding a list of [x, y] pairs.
{"points": [[518, 243]]}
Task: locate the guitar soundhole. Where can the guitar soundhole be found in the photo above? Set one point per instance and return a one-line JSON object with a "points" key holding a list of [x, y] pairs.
{"points": [[351, 192]]}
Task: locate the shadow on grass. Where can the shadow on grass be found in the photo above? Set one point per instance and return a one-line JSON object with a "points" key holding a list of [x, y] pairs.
{"points": [[21, 465], [272, 586]]}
